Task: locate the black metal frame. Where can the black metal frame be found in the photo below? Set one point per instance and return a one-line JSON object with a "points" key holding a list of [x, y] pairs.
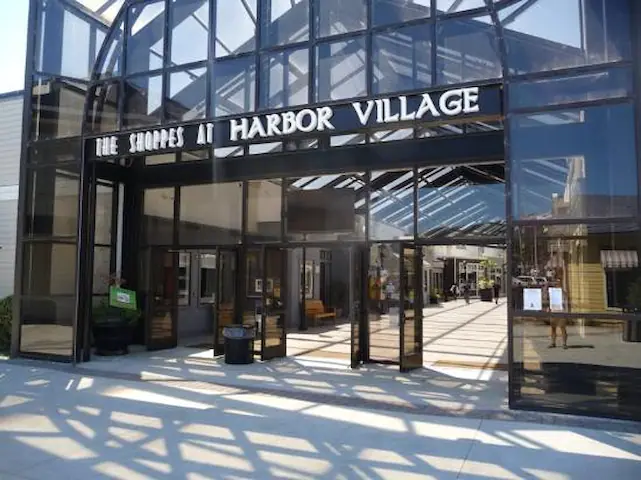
{"points": [[132, 176]]}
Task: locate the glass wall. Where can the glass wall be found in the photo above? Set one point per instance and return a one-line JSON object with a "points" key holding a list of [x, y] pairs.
{"points": [[575, 209]]}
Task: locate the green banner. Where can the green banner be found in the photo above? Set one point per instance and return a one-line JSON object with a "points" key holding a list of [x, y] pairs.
{"points": [[122, 298]]}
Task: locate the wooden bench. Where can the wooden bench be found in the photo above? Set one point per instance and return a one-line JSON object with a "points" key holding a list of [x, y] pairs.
{"points": [[315, 310]]}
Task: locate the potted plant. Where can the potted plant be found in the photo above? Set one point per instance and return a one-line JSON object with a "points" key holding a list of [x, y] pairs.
{"points": [[112, 327], [434, 296], [486, 292], [485, 289]]}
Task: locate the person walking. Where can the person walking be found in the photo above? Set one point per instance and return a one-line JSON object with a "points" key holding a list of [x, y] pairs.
{"points": [[454, 291], [466, 293], [497, 290]]}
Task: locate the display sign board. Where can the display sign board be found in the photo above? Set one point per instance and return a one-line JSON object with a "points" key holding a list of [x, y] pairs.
{"points": [[532, 299], [122, 298], [556, 299], [433, 106]]}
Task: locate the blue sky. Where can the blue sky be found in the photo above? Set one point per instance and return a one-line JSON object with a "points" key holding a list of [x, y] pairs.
{"points": [[13, 43]]}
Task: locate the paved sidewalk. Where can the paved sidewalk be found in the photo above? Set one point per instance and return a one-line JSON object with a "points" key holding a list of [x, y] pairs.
{"points": [[58, 425]]}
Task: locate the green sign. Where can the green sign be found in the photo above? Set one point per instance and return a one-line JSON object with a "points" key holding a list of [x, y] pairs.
{"points": [[122, 298]]}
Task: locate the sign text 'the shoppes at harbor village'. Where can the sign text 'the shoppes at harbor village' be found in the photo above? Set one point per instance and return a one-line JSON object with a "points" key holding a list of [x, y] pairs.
{"points": [[426, 107]]}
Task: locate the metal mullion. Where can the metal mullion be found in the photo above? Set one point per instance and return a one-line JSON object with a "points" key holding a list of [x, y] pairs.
{"points": [[257, 57], [311, 54], [572, 106], [167, 34], [211, 53], [570, 71], [575, 221], [434, 46]]}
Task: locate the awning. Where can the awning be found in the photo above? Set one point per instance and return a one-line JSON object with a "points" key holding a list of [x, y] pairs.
{"points": [[619, 258]]}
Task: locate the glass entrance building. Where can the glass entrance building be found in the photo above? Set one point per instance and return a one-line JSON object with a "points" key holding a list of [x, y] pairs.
{"points": [[285, 163]]}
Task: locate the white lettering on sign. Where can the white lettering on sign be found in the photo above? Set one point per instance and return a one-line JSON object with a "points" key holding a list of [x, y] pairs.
{"points": [[205, 134], [434, 105], [451, 103], [155, 140], [276, 124], [106, 146]]}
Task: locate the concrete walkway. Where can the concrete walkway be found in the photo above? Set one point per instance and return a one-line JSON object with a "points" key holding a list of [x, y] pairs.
{"points": [[454, 334], [60, 425]]}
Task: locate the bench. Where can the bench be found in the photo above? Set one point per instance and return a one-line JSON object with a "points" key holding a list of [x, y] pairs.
{"points": [[315, 310]]}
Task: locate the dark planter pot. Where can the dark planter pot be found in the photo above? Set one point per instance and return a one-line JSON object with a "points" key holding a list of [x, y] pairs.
{"points": [[433, 300], [112, 336], [486, 294]]}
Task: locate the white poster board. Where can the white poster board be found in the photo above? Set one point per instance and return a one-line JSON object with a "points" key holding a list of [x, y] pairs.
{"points": [[532, 299], [556, 299]]}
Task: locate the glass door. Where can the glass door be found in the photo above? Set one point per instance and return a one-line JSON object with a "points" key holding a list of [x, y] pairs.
{"points": [[273, 322], [224, 297], [358, 310], [411, 311], [161, 328]]}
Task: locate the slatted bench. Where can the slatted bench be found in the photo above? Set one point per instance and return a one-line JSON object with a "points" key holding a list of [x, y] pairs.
{"points": [[316, 311]]}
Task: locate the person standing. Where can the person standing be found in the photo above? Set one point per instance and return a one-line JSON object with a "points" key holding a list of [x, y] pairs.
{"points": [[497, 291]]}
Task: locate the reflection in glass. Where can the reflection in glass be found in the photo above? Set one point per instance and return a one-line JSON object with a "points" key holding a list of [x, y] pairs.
{"points": [[285, 21], [51, 203], [47, 325], [465, 201], [612, 83], [145, 42], [158, 216], [398, 11], [327, 207], [143, 101], [184, 277], [384, 301], [594, 266], [264, 201], [402, 59], [160, 159], [338, 16], [101, 270], [202, 224], [382, 136], [103, 108], [110, 64], [103, 215], [285, 78], [187, 95], [49, 269], [581, 33], [597, 374], [234, 86], [453, 6], [189, 31], [341, 70], [64, 45], [235, 27], [391, 209], [575, 163], [57, 108], [466, 50]]}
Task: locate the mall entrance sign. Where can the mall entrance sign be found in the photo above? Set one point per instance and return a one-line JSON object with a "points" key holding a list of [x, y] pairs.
{"points": [[434, 106]]}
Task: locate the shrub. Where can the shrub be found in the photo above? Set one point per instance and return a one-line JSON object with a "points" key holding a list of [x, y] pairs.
{"points": [[6, 312]]}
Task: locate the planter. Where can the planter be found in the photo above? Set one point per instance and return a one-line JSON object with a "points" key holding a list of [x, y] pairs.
{"points": [[486, 294], [112, 336], [433, 300]]}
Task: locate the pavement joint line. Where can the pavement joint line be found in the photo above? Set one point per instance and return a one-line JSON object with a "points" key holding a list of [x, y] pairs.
{"points": [[498, 414]]}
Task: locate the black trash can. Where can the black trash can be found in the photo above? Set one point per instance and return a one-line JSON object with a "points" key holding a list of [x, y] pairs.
{"points": [[632, 331], [239, 344]]}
